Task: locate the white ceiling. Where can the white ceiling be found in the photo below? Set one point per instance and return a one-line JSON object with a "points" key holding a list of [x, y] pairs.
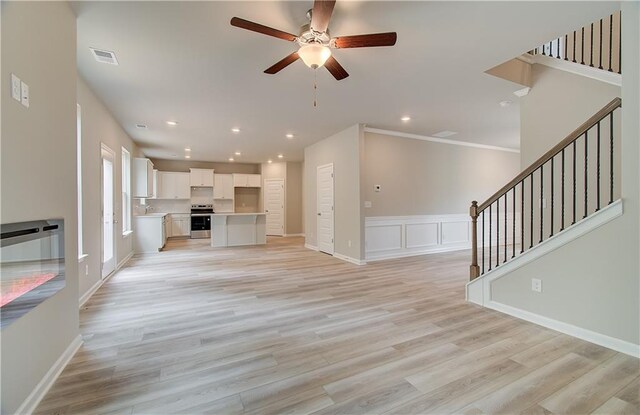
{"points": [[183, 61]]}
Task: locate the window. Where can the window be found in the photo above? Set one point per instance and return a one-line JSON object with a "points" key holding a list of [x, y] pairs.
{"points": [[126, 192], [81, 254]]}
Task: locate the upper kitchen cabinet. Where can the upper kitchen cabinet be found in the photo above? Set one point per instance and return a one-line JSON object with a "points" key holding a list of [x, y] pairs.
{"points": [[173, 185], [247, 180], [143, 178], [201, 177], [223, 186]]}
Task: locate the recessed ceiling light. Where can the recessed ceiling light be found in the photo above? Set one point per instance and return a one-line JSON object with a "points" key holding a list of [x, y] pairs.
{"points": [[172, 122], [445, 134], [187, 149], [289, 136], [280, 156], [235, 130], [505, 103], [230, 158], [237, 153], [187, 156], [406, 118], [269, 161], [141, 126]]}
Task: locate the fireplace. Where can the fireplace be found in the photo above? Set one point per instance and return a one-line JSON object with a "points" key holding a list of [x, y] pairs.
{"points": [[31, 266]]}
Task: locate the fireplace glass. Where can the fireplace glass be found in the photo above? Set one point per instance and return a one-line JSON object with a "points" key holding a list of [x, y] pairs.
{"points": [[31, 266]]}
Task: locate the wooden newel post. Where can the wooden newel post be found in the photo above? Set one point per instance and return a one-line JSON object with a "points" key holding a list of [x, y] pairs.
{"points": [[474, 270]]}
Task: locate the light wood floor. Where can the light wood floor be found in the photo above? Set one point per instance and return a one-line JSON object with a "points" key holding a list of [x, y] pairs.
{"points": [[281, 329]]}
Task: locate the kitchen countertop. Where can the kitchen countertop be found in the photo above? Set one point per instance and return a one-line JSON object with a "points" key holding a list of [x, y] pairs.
{"points": [[238, 214]]}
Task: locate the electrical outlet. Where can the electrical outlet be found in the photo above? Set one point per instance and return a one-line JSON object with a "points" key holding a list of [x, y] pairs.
{"points": [[536, 285], [16, 88], [349, 243], [86, 270], [367, 203], [24, 89]]}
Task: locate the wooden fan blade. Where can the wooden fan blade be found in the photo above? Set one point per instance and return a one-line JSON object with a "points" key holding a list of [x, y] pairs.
{"points": [[335, 68], [321, 14], [282, 64], [265, 30], [365, 41]]}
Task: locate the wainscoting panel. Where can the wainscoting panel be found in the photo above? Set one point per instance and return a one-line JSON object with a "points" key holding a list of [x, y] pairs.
{"points": [[386, 237], [401, 236], [421, 235]]}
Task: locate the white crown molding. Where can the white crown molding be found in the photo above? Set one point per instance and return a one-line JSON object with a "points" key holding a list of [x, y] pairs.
{"points": [[438, 140]]}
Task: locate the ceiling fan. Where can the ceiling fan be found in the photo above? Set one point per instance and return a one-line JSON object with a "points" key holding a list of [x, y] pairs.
{"points": [[315, 42]]}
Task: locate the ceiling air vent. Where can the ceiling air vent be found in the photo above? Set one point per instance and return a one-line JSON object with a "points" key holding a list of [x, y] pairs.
{"points": [[141, 126], [104, 56]]}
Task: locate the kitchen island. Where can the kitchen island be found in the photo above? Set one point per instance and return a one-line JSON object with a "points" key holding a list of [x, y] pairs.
{"points": [[238, 229]]}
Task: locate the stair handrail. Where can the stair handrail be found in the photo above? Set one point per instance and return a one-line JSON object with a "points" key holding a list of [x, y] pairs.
{"points": [[476, 208], [555, 150]]}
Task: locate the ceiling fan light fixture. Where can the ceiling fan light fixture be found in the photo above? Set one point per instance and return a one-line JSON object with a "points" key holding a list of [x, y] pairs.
{"points": [[314, 55]]}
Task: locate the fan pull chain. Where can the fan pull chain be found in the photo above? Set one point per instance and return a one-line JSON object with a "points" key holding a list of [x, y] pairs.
{"points": [[315, 88]]}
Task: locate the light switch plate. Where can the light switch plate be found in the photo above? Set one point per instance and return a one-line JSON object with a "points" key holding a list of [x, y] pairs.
{"points": [[536, 285], [15, 88], [25, 94]]}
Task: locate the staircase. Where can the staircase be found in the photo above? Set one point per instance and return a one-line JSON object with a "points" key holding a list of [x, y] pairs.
{"points": [[573, 184], [597, 45]]}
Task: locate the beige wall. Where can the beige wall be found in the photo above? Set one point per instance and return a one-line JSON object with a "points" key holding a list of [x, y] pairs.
{"points": [[593, 282], [38, 177], [426, 178], [223, 168], [99, 126], [294, 198], [557, 104], [344, 151]]}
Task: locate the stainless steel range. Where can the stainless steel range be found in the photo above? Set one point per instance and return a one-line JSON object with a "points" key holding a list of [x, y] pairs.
{"points": [[201, 221]]}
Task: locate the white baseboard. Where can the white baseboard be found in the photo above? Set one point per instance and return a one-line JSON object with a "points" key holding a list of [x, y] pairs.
{"points": [[85, 297], [478, 291], [349, 259], [609, 342], [312, 247], [33, 400], [124, 260], [393, 255]]}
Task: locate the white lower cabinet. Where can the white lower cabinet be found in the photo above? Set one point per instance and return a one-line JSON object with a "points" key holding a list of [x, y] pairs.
{"points": [[150, 233], [180, 225]]}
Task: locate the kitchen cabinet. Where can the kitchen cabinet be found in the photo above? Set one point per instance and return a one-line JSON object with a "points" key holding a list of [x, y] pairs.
{"points": [[149, 232], [168, 228], [247, 180], [201, 177], [143, 178], [180, 225], [173, 185], [223, 186]]}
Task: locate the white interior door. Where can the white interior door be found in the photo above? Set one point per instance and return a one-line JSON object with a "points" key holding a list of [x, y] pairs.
{"points": [[325, 208], [108, 214], [274, 206]]}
